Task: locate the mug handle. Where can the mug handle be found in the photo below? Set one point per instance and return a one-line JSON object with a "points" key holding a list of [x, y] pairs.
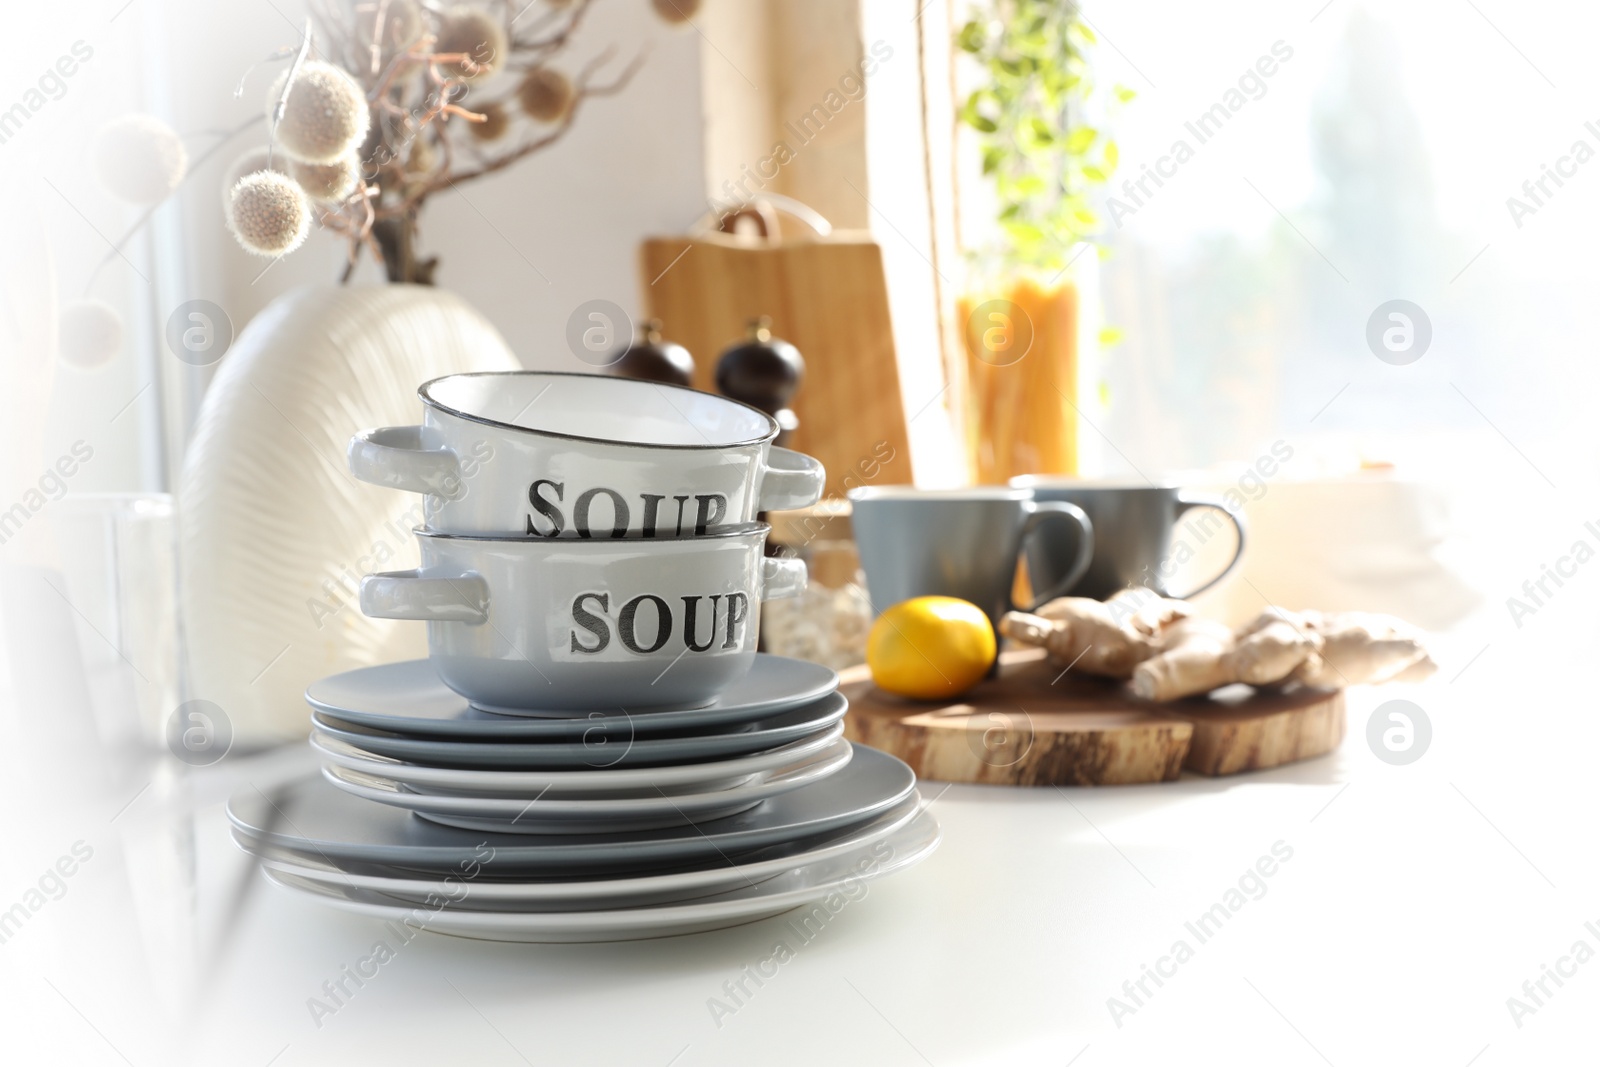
{"points": [[790, 480], [1041, 512], [408, 595], [1186, 503], [393, 456], [782, 578]]}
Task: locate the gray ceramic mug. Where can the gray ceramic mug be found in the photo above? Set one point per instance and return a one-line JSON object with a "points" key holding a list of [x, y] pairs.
{"points": [[960, 542], [1133, 543]]}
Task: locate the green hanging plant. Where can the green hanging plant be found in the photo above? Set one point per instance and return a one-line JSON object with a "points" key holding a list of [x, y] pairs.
{"points": [[1034, 117]]}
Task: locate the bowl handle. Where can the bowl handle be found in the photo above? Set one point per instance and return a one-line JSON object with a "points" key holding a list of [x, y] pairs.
{"points": [[408, 595], [393, 456], [790, 480], [782, 578]]}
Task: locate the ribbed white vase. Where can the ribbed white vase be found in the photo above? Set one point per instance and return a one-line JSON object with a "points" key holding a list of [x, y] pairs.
{"points": [[273, 532]]}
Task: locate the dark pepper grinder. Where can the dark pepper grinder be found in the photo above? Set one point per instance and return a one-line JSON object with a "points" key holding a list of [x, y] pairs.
{"points": [[764, 372], [654, 360]]}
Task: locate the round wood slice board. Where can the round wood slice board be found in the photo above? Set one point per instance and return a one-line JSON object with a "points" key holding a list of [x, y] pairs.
{"points": [[1036, 724]]}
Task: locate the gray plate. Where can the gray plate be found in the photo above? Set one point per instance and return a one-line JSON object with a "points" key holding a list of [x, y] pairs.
{"points": [[311, 818], [843, 875], [599, 752], [542, 815], [572, 783], [408, 698], [595, 894]]}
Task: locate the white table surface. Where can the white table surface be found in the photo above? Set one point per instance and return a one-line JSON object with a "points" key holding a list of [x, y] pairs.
{"points": [[1417, 900]]}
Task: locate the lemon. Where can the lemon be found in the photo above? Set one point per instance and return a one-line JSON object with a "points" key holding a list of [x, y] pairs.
{"points": [[930, 647]]}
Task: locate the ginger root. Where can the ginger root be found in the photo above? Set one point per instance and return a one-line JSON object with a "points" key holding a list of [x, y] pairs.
{"points": [[1107, 639], [1168, 653], [1271, 647], [1194, 659], [1362, 649], [1263, 652]]}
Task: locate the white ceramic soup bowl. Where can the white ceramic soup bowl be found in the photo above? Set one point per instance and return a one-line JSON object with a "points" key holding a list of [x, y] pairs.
{"points": [[558, 624], [530, 453]]}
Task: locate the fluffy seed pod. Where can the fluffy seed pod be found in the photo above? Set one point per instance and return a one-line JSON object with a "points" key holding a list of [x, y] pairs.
{"points": [[476, 33], [269, 213], [327, 183], [676, 11], [139, 158], [248, 162], [494, 125], [326, 115], [90, 332], [545, 94]]}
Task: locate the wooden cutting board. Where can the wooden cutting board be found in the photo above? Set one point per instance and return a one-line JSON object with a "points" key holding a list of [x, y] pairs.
{"points": [[827, 296], [1038, 725]]}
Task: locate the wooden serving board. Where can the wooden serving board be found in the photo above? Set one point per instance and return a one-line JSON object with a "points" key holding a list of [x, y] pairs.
{"points": [[1038, 725]]}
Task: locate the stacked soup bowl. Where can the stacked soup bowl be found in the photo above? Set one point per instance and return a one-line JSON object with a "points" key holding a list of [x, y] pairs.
{"points": [[590, 542], [591, 579]]}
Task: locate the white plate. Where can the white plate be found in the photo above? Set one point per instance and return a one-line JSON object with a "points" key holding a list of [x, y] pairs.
{"points": [[703, 777], [311, 818], [408, 698], [542, 815], [604, 748], [589, 894], [838, 881]]}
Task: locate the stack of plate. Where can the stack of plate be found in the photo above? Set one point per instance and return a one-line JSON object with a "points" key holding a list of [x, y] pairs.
{"points": [[586, 826], [594, 749]]}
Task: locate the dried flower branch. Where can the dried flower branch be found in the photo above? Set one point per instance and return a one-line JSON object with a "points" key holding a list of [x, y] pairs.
{"points": [[398, 84], [363, 135], [585, 89], [281, 106]]}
